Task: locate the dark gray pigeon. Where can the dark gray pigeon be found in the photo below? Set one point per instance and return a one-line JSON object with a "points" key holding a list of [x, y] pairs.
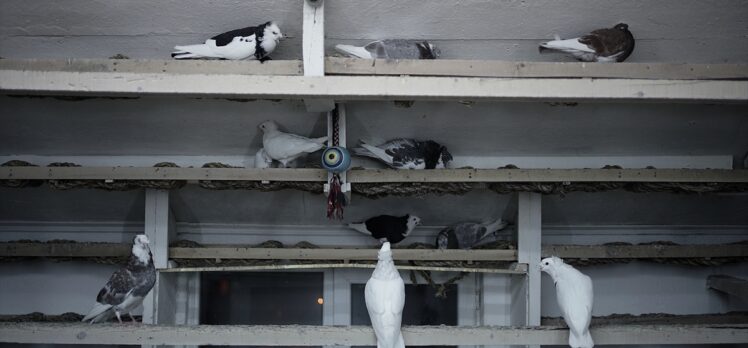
{"points": [[403, 153], [466, 235], [392, 49], [388, 228], [607, 45], [127, 286]]}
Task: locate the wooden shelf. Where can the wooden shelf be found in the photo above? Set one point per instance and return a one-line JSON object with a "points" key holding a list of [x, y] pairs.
{"points": [[514, 268], [97, 78], [378, 175], [650, 251], [298, 335]]}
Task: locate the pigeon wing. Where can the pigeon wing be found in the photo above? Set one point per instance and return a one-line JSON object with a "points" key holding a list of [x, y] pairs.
{"points": [[574, 295], [116, 289], [606, 42], [384, 302], [284, 145], [226, 38], [376, 49], [405, 153]]}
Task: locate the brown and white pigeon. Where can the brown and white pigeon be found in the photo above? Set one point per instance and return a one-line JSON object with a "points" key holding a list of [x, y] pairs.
{"points": [[607, 45], [127, 286], [404, 153]]}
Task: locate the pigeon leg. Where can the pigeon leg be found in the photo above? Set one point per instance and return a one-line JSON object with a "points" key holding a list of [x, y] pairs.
{"points": [[132, 318], [118, 316], [382, 240]]}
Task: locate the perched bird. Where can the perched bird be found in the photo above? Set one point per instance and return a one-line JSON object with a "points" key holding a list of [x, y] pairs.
{"points": [[607, 45], [385, 299], [392, 49], [250, 42], [388, 228], [407, 153], [286, 147], [574, 297], [262, 160], [127, 286], [466, 235]]}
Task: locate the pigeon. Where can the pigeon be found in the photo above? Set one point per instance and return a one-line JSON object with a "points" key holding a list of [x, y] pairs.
{"points": [[574, 297], [466, 235], [388, 228], [286, 147], [392, 49], [385, 299], [250, 42], [607, 45], [262, 160], [127, 286], [403, 153]]}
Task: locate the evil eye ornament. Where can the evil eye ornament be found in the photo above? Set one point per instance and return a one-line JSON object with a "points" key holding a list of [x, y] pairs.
{"points": [[336, 159]]}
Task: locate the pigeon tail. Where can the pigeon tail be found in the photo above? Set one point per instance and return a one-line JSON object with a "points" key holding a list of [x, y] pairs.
{"points": [[495, 225], [354, 51], [361, 227], [568, 45], [320, 140], [375, 152], [192, 51], [583, 340], [97, 313]]}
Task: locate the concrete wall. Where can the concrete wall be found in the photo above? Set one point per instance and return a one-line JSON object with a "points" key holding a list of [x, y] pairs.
{"points": [[693, 31]]}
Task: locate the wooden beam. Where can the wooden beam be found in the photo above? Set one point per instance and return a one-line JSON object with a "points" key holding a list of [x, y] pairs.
{"points": [[730, 285], [158, 66], [313, 50], [370, 87], [494, 68], [304, 335], [380, 175], [645, 251], [64, 250], [339, 254], [516, 268]]}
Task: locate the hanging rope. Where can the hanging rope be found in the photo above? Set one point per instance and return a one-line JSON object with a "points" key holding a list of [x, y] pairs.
{"points": [[335, 198]]}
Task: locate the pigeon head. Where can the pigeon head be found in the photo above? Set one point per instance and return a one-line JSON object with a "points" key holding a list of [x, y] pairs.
{"points": [[140, 249], [268, 126], [427, 50], [622, 27], [413, 221], [272, 31], [551, 265]]}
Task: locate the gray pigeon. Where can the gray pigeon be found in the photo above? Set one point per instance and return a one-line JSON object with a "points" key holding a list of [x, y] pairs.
{"points": [[466, 235], [404, 153], [127, 286], [607, 45], [392, 49]]}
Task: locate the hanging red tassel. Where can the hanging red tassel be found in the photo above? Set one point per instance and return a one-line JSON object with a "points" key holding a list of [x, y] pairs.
{"points": [[335, 199]]}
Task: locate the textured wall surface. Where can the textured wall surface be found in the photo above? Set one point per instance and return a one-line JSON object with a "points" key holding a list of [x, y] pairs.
{"points": [[694, 31]]}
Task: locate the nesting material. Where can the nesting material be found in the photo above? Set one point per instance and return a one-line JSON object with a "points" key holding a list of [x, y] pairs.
{"points": [[313, 187], [115, 185]]}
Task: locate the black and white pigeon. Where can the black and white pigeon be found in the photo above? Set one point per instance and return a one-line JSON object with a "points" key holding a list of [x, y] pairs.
{"points": [[388, 228], [607, 45], [403, 153], [286, 147], [250, 42], [392, 49], [127, 286], [466, 235]]}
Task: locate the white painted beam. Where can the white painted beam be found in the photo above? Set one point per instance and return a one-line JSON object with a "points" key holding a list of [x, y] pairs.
{"points": [[380, 175], [517, 268], [371, 87], [526, 307], [313, 50], [170, 66], [301, 335], [160, 304]]}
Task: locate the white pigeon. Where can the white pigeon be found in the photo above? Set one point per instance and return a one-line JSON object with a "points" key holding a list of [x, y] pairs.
{"points": [[286, 147], [608, 45], [250, 42], [466, 235], [392, 49], [385, 299], [127, 286], [262, 160], [574, 297]]}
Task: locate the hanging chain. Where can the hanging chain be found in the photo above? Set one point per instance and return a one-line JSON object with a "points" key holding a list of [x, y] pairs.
{"points": [[335, 127]]}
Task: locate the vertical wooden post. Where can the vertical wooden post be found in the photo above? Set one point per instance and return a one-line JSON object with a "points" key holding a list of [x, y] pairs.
{"points": [[525, 308], [313, 50], [159, 307]]}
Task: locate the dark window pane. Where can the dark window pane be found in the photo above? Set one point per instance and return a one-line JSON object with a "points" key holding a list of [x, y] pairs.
{"points": [[422, 307], [270, 298]]}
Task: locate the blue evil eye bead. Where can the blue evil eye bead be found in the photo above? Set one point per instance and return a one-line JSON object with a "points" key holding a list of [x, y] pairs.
{"points": [[336, 159]]}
